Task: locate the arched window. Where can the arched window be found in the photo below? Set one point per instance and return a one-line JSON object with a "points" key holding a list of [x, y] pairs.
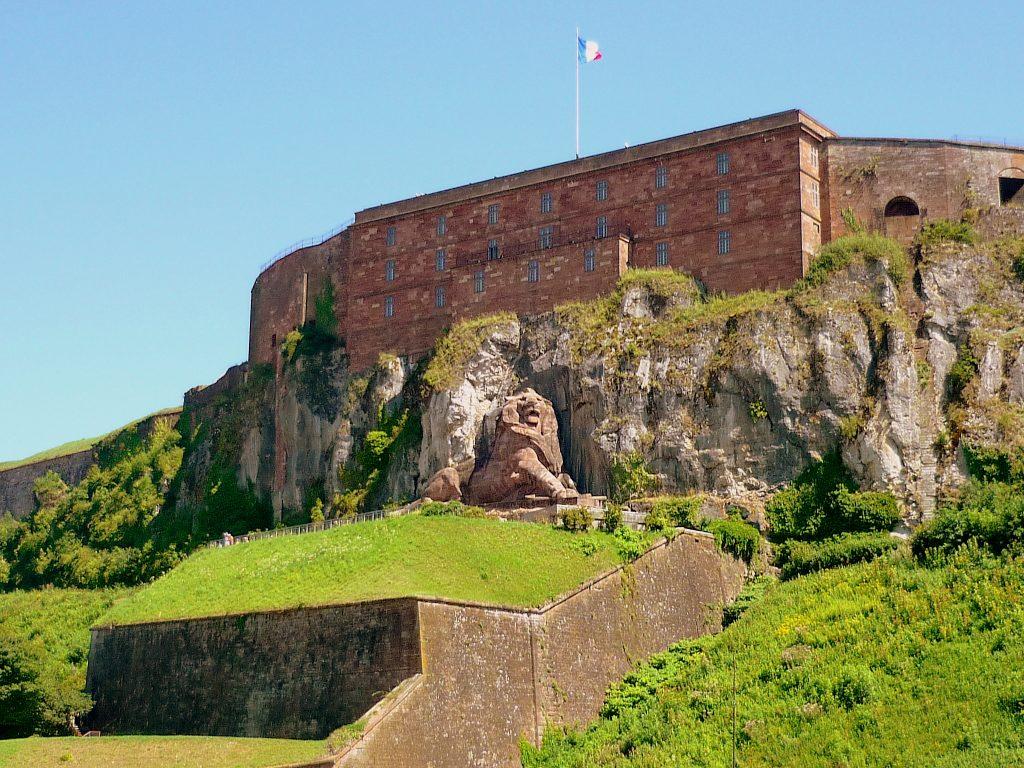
{"points": [[1011, 187], [902, 206]]}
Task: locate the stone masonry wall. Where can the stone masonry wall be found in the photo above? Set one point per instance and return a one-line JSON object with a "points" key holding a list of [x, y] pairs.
{"points": [[493, 676], [291, 674]]}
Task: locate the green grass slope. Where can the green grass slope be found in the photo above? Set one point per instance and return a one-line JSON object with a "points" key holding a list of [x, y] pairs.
{"points": [[515, 564], [75, 446], [881, 664], [44, 644], [156, 752]]}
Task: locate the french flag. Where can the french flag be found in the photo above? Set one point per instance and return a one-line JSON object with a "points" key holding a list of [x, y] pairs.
{"points": [[588, 51]]}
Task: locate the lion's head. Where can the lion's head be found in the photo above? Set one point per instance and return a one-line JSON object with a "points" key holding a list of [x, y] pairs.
{"points": [[530, 415]]}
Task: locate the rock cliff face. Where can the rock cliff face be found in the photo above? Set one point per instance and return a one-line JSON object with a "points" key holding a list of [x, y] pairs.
{"points": [[898, 365]]}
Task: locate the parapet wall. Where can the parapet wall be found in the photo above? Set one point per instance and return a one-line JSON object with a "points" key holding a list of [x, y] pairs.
{"points": [[290, 674], [17, 485]]}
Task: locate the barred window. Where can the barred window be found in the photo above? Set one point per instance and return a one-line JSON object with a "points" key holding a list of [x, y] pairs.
{"points": [[533, 271], [478, 281], [661, 215], [723, 243], [545, 202], [545, 236], [661, 177], [722, 162], [815, 194], [589, 262], [439, 296], [602, 226], [442, 225], [492, 250], [492, 213], [602, 190], [723, 201], [390, 237], [661, 254], [389, 306], [389, 270], [439, 260]]}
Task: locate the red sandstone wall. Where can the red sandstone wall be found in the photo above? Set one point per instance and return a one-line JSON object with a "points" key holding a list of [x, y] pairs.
{"points": [[943, 178]]}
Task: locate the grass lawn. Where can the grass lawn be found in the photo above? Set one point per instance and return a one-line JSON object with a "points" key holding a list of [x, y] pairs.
{"points": [[75, 446], [514, 564], [155, 752], [882, 664]]}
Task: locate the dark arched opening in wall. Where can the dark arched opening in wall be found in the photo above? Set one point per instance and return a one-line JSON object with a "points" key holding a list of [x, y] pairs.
{"points": [[902, 218], [1011, 187], [901, 206]]}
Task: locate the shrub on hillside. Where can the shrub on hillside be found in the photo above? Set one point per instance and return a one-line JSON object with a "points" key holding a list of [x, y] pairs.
{"points": [[736, 538], [678, 511], [842, 251], [823, 502], [577, 519], [452, 508], [800, 557], [612, 520], [630, 477], [944, 230], [630, 544], [989, 515]]}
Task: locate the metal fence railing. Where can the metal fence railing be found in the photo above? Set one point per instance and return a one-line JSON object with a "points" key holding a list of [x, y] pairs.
{"points": [[309, 241], [378, 514]]}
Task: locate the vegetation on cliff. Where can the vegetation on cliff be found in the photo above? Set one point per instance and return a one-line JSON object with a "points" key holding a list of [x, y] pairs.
{"points": [[456, 347], [461, 558], [44, 643]]}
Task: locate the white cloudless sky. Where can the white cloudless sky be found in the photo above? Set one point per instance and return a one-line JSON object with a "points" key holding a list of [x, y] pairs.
{"points": [[153, 155]]}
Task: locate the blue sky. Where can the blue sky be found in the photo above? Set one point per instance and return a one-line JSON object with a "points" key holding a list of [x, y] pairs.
{"points": [[153, 155]]}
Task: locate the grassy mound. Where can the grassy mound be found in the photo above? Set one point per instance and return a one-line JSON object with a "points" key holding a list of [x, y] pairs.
{"points": [[516, 564], [882, 663], [157, 752]]}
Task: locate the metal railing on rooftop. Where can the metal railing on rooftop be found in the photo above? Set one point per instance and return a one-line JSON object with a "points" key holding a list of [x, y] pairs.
{"points": [[310, 241], [378, 514]]}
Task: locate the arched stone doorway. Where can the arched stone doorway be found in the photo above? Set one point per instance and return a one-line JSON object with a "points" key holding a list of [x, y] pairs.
{"points": [[1011, 187], [902, 218]]}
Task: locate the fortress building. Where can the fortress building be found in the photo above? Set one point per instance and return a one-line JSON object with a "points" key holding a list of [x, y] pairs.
{"points": [[740, 206]]}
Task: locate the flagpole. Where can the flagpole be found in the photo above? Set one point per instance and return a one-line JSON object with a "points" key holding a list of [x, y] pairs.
{"points": [[576, 49]]}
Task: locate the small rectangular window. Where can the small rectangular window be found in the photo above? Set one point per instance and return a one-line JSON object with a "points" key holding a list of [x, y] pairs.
{"points": [[661, 254], [478, 281], [439, 296], [723, 201], [389, 270], [545, 202], [661, 177], [533, 271], [815, 194], [492, 250], [814, 158], [492, 213], [602, 190], [390, 236], [723, 243], [439, 260], [589, 262], [389, 306], [545, 236], [442, 225], [661, 215], [722, 161], [602, 227]]}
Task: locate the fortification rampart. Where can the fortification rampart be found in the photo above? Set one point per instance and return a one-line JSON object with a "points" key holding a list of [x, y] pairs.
{"points": [[488, 676]]}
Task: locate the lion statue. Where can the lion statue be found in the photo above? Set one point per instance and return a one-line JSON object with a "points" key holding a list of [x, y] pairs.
{"points": [[524, 459]]}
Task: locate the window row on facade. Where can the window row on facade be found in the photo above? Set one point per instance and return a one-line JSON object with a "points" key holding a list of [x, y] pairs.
{"points": [[601, 192]]}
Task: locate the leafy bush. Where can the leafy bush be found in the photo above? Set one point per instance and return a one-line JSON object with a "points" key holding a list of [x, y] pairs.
{"points": [[612, 520], [944, 230], [823, 502], [453, 508], [326, 320], [675, 512], [989, 515], [799, 557], [453, 351], [855, 686], [989, 464], [842, 251], [630, 477], [630, 544], [577, 519], [961, 373], [1018, 266], [736, 538]]}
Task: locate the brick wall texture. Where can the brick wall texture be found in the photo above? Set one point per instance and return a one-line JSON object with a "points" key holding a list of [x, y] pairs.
{"points": [[482, 677]]}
